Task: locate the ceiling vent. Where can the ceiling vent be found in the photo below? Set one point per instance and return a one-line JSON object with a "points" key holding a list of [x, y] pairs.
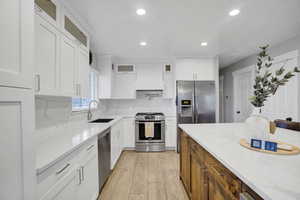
{"points": [[125, 68]]}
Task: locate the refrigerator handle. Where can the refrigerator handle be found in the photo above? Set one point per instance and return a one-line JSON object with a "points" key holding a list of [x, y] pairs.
{"points": [[193, 105]]}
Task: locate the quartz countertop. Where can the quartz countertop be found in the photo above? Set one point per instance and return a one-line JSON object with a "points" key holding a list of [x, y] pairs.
{"points": [[273, 177], [66, 140]]}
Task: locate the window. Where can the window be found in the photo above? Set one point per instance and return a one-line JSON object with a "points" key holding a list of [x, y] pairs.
{"points": [[81, 104]]}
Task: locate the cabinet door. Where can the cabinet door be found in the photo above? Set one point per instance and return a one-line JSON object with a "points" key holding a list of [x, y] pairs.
{"points": [[68, 67], [114, 146], [83, 72], [17, 168], [171, 134], [47, 57], [217, 190], [129, 132], [65, 189], [199, 179], [48, 10], [17, 43], [89, 186], [185, 160], [124, 86]]}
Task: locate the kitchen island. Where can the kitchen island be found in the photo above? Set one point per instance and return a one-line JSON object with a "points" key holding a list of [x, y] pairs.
{"points": [[215, 166]]}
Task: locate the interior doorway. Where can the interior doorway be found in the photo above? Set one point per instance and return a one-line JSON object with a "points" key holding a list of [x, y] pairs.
{"points": [[243, 80]]}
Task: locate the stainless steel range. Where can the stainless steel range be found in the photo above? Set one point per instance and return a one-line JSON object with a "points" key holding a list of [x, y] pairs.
{"points": [[150, 132]]}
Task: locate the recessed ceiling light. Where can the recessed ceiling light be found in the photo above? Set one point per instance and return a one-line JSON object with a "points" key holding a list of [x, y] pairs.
{"points": [[234, 12], [141, 11], [204, 44], [143, 44]]}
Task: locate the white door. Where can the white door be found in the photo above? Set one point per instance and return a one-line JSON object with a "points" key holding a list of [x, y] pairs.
{"points": [[83, 72], [65, 189], [17, 168], [243, 84], [17, 43], [68, 67], [46, 57]]}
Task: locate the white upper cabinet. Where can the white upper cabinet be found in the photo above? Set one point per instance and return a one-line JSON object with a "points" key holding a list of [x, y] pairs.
{"points": [[17, 43], [73, 30], [83, 73], [17, 174], [68, 85], [47, 41], [106, 76], [124, 85], [48, 10], [149, 77], [196, 69]]}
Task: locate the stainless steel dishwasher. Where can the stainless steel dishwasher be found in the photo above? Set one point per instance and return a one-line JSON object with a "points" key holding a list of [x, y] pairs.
{"points": [[104, 157]]}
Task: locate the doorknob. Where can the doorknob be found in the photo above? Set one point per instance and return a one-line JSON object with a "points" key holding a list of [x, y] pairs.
{"points": [[238, 112]]}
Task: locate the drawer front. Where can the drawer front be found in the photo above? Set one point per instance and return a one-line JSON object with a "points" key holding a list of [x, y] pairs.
{"points": [[89, 150], [54, 174], [58, 171]]}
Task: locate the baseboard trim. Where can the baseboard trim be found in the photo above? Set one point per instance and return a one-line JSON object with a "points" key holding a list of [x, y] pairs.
{"points": [[133, 149]]}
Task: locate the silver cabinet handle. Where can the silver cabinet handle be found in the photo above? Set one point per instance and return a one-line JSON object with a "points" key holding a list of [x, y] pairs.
{"points": [[79, 176], [90, 147], [82, 174], [63, 169], [38, 86]]}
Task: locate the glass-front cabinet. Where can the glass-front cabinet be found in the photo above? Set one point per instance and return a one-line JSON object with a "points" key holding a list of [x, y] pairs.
{"points": [[49, 10]]}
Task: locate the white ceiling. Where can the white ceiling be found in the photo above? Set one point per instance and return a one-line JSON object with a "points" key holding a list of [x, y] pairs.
{"points": [[177, 27]]}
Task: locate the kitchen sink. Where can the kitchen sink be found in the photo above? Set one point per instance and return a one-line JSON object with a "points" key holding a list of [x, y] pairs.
{"points": [[102, 120]]}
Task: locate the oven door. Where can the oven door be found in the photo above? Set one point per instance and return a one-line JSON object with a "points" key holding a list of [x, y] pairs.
{"points": [[159, 132]]}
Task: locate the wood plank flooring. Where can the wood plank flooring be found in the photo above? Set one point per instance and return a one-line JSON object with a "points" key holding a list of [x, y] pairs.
{"points": [[145, 176]]}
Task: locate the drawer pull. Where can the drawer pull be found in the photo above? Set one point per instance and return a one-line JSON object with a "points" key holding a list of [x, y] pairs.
{"points": [[90, 147], [63, 169]]}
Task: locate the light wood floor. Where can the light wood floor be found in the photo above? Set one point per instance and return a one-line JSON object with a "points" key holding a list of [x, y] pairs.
{"points": [[145, 176]]}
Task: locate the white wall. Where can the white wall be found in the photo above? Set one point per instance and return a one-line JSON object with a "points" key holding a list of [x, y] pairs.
{"points": [[131, 107], [284, 47]]}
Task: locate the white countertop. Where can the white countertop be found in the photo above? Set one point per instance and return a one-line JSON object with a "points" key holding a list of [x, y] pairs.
{"points": [[275, 177], [65, 141]]}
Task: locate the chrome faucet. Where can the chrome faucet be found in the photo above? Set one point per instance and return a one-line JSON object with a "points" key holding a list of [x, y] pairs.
{"points": [[90, 115]]}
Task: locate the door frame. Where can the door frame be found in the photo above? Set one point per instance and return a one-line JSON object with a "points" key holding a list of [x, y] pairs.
{"points": [[251, 69]]}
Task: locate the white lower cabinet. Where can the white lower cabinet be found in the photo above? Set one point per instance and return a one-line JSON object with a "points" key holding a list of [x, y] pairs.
{"points": [[73, 178], [129, 132], [88, 187], [116, 142], [171, 132], [65, 188]]}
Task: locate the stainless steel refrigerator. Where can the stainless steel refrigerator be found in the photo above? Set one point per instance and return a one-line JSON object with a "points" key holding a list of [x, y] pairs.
{"points": [[196, 103]]}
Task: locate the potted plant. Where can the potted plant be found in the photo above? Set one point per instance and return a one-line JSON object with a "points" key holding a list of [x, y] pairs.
{"points": [[266, 85]]}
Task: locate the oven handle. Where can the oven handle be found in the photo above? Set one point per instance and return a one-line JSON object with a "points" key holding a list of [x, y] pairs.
{"points": [[155, 122]]}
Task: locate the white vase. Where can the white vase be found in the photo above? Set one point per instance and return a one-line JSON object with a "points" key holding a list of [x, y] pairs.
{"points": [[259, 125]]}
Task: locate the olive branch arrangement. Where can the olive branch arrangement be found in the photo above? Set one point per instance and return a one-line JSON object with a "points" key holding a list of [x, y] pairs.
{"points": [[267, 82]]}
